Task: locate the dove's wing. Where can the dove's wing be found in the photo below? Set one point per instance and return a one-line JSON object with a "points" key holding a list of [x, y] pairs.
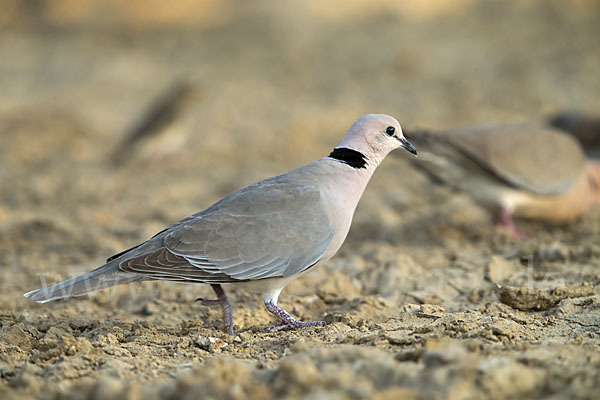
{"points": [[528, 157], [538, 159], [269, 229]]}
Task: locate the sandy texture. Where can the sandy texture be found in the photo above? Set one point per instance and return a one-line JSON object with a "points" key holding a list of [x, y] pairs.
{"points": [[425, 299]]}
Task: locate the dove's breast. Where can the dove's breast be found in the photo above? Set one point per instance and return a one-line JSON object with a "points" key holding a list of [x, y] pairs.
{"points": [[340, 189]]}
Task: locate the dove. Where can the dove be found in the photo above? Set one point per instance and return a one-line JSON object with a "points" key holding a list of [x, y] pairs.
{"points": [[262, 236], [514, 170], [160, 130]]}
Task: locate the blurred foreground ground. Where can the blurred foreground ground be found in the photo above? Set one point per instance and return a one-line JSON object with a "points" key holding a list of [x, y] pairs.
{"points": [[412, 299]]}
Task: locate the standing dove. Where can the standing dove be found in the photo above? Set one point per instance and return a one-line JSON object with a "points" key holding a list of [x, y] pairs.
{"points": [[520, 170], [261, 236]]}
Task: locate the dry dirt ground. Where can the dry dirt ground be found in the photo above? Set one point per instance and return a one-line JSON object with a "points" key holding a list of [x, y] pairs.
{"points": [[425, 299]]}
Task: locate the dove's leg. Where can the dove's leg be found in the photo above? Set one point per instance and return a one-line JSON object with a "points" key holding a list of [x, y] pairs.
{"points": [[287, 319], [505, 219], [223, 301]]}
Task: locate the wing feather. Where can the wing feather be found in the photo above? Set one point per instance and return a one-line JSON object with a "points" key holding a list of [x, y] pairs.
{"points": [[269, 229]]}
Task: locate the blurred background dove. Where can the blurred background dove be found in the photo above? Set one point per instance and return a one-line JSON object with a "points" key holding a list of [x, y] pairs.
{"points": [[523, 170], [162, 129]]}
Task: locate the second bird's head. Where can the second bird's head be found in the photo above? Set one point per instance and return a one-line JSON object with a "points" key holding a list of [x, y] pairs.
{"points": [[375, 135]]}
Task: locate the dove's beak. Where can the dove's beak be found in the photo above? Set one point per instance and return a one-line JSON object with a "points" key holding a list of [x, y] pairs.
{"points": [[406, 145]]}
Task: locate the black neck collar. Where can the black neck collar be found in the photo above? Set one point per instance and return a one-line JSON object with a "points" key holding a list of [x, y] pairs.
{"points": [[353, 158]]}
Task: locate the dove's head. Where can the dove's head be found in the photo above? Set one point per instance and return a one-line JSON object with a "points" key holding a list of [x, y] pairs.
{"points": [[375, 135]]}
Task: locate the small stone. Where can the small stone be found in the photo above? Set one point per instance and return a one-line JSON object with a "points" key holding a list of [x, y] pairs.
{"points": [[205, 343], [16, 336], [150, 309], [23, 317], [527, 299], [246, 336]]}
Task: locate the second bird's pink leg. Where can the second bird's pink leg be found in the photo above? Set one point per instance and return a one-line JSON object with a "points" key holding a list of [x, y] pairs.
{"points": [[506, 220]]}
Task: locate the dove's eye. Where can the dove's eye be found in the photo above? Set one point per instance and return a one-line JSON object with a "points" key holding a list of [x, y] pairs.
{"points": [[390, 130]]}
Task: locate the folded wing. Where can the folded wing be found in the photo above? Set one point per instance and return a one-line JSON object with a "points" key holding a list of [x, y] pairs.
{"points": [[269, 229]]}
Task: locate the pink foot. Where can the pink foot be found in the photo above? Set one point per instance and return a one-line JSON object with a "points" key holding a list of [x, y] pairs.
{"points": [[287, 319], [505, 220]]}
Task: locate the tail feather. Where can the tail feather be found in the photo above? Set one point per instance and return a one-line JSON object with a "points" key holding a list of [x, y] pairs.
{"points": [[423, 139], [103, 277]]}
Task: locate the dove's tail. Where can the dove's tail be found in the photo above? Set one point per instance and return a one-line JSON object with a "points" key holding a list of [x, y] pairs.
{"points": [[422, 138], [439, 158], [103, 277]]}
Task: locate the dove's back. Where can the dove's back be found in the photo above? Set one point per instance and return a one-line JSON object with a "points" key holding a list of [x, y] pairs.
{"points": [[532, 158]]}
